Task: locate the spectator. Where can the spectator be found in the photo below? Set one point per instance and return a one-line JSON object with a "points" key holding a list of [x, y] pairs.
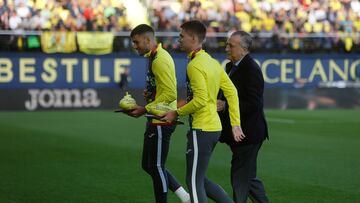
{"points": [[268, 18]]}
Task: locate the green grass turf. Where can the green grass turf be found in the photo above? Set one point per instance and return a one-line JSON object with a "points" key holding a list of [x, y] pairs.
{"points": [[94, 156]]}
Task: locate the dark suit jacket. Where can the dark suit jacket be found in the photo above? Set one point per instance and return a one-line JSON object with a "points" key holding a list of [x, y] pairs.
{"points": [[249, 82]]}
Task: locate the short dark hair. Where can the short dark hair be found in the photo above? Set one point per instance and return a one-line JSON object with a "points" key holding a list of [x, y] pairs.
{"points": [[142, 29], [195, 27], [246, 39]]}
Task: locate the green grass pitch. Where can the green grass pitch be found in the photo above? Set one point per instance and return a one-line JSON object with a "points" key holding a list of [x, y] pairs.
{"points": [[95, 156]]}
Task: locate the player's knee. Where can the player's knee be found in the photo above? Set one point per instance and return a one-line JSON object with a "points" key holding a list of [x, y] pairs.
{"points": [[146, 168], [151, 170]]}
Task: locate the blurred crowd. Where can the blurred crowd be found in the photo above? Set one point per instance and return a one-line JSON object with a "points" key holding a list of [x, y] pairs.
{"points": [[69, 15], [302, 16], [278, 25]]}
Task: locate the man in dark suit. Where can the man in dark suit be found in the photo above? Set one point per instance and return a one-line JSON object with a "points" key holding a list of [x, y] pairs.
{"points": [[247, 77]]}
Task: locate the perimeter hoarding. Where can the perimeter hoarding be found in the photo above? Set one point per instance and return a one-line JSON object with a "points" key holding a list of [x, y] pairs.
{"points": [[55, 78]]}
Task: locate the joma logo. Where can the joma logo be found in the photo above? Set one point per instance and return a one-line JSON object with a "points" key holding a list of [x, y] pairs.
{"points": [[62, 98]]}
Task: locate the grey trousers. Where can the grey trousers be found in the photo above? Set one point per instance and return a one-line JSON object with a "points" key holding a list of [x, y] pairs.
{"points": [[200, 146], [243, 175]]}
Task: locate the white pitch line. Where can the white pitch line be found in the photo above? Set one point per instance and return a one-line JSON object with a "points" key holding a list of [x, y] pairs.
{"points": [[280, 120]]}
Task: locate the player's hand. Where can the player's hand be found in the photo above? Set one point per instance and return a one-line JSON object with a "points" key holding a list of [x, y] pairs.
{"points": [[181, 103], [137, 112], [169, 117], [220, 105], [238, 133]]}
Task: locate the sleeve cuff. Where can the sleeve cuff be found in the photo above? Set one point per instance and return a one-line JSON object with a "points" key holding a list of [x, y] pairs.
{"points": [[178, 111], [147, 108]]}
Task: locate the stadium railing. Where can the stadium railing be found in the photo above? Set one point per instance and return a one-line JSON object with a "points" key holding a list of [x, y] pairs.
{"points": [[18, 40]]}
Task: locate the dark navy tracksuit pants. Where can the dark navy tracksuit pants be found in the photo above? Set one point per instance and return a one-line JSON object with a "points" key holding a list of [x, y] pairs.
{"points": [[155, 151]]}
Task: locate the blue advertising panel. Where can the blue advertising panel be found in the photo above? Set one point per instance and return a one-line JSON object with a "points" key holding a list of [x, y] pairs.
{"points": [[39, 70]]}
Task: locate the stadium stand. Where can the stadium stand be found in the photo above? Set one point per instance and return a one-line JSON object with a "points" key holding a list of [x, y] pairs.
{"points": [[278, 25], [315, 25]]}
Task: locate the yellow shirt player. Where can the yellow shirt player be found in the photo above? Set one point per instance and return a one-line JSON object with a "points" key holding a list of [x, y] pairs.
{"points": [[161, 80], [205, 77], [160, 87]]}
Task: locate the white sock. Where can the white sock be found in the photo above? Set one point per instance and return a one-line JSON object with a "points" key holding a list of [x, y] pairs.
{"points": [[183, 195]]}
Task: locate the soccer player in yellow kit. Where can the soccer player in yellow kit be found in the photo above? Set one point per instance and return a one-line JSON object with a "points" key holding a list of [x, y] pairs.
{"points": [[160, 87], [205, 77]]}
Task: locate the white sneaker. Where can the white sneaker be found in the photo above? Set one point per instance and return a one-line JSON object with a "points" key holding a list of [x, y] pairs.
{"points": [[183, 195]]}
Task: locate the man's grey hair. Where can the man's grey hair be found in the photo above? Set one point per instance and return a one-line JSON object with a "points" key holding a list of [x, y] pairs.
{"points": [[246, 39]]}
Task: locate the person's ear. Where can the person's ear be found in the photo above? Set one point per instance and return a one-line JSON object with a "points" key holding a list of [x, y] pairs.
{"points": [[194, 38], [147, 39]]}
